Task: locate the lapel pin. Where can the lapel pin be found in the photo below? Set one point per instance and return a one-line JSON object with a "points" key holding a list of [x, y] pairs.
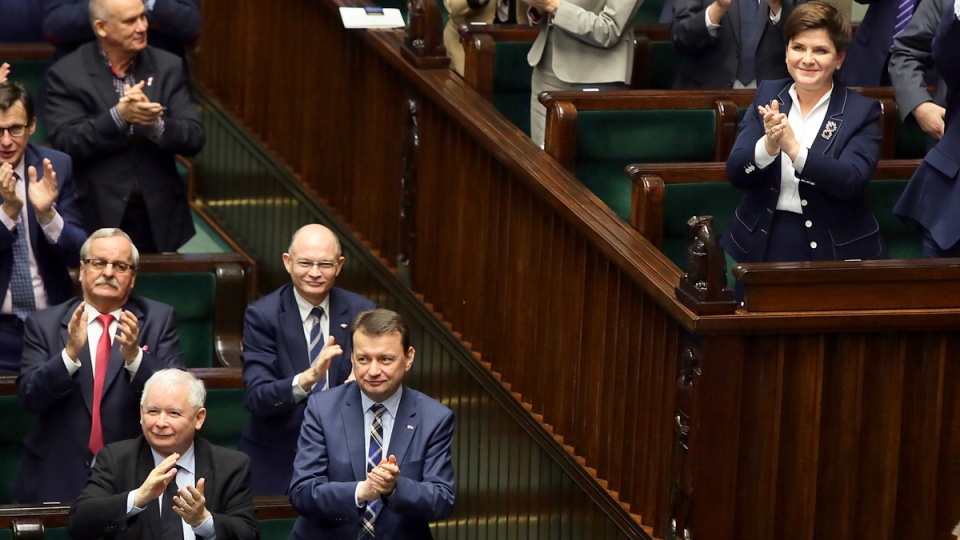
{"points": [[145, 349], [409, 427], [149, 81], [749, 168], [829, 130], [343, 325]]}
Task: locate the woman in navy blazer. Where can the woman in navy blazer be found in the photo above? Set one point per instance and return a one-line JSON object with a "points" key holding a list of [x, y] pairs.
{"points": [[805, 191]]}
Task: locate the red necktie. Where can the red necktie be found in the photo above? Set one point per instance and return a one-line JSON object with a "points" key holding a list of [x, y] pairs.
{"points": [[99, 376]]}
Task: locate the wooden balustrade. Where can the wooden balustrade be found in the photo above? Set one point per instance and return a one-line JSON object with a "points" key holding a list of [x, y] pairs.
{"points": [[748, 425]]}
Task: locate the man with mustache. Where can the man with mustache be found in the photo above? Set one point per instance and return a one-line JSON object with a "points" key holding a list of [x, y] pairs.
{"points": [[84, 366]]}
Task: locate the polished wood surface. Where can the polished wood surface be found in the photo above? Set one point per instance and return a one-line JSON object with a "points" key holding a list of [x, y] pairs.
{"points": [[822, 423]]}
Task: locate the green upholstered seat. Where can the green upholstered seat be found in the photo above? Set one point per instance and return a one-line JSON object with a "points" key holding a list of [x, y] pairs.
{"points": [[276, 529], [193, 297], [608, 141], [903, 241], [30, 73], [511, 82], [14, 426], [911, 141], [664, 63], [226, 417]]}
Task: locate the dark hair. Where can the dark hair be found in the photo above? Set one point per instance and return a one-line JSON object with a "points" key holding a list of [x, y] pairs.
{"points": [[815, 15], [12, 92], [379, 322]]}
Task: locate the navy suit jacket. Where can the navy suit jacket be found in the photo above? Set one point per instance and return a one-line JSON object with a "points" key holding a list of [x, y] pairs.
{"points": [[109, 163], [932, 198], [832, 186], [869, 52], [52, 259], [100, 510], [56, 460], [711, 62], [331, 461], [274, 350], [174, 24]]}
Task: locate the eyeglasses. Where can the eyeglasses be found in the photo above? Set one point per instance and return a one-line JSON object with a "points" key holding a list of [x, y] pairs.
{"points": [[100, 264], [18, 130], [307, 265]]}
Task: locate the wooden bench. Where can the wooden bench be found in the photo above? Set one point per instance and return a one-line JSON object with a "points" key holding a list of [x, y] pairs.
{"points": [[495, 63], [226, 416], [49, 522], [666, 195], [596, 135]]}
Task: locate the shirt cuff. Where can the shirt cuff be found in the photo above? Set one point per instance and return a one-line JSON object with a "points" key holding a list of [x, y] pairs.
{"points": [[156, 132], [53, 229], [131, 509], [121, 124], [299, 394], [10, 224], [72, 367], [132, 367], [761, 157], [356, 496], [206, 529], [800, 161], [714, 29]]}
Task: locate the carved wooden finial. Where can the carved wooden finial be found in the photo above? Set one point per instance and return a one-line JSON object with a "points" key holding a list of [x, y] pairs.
{"points": [[703, 288]]}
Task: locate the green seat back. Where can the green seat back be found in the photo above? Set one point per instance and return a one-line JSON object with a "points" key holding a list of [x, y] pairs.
{"points": [[683, 201], [511, 82], [911, 141], [664, 63], [56, 533], [608, 141], [903, 241], [649, 12], [226, 417], [276, 529], [14, 426], [193, 297], [30, 74]]}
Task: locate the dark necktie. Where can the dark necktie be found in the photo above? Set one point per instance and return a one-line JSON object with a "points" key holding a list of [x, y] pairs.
{"points": [[749, 37], [374, 455], [171, 525], [21, 284], [104, 346], [316, 340]]}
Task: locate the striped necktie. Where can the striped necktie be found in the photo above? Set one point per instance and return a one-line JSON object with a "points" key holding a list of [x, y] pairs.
{"points": [[317, 342], [374, 455], [904, 14]]}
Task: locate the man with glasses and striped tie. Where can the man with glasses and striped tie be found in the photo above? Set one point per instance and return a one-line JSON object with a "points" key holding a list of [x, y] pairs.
{"points": [[85, 362], [296, 340], [374, 460], [41, 230]]}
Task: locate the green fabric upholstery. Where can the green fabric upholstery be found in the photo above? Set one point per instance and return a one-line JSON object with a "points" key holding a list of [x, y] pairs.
{"points": [[911, 141], [649, 12], [14, 426], [903, 241], [511, 82], [30, 73], [226, 417], [664, 63], [6, 534], [193, 297], [276, 529], [55, 533], [608, 141]]}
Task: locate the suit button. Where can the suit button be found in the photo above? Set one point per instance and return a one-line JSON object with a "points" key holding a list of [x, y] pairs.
{"points": [[808, 224], [803, 202], [813, 245]]}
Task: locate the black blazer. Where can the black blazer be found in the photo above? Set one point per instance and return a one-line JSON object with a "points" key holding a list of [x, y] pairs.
{"points": [[711, 62], [101, 509], [56, 460], [109, 164]]}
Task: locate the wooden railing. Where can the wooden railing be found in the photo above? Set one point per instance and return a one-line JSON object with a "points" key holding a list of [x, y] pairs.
{"points": [[823, 423]]}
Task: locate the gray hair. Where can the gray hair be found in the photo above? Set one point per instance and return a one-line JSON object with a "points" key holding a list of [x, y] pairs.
{"points": [[171, 378], [108, 232]]}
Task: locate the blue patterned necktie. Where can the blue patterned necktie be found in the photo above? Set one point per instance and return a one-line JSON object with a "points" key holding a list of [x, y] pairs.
{"points": [[374, 455], [747, 68], [904, 14], [171, 525], [316, 341], [21, 284]]}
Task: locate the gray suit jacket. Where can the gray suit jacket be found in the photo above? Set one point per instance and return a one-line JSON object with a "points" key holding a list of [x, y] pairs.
{"points": [[912, 57], [591, 41]]}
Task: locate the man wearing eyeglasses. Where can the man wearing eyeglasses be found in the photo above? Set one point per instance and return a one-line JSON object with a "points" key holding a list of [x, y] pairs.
{"points": [[296, 340], [40, 225], [85, 362]]}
